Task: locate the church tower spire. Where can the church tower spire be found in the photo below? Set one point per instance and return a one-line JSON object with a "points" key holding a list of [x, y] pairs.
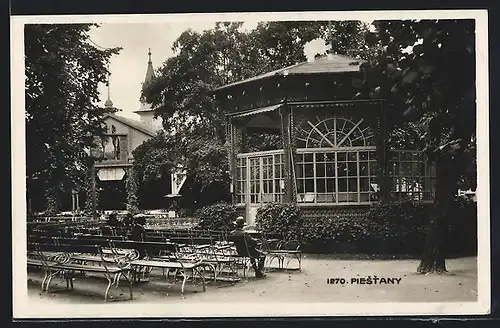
{"points": [[150, 73], [108, 103], [146, 112]]}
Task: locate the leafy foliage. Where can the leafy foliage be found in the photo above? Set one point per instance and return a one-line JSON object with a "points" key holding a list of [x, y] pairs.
{"points": [[424, 86], [132, 187], [427, 72], [217, 217], [153, 158], [387, 228], [280, 218], [181, 93], [63, 71]]}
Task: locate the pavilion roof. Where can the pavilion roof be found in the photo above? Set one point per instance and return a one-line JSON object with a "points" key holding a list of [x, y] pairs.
{"points": [[326, 64]]}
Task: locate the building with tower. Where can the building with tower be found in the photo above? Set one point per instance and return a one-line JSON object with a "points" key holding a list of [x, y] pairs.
{"points": [[115, 150]]}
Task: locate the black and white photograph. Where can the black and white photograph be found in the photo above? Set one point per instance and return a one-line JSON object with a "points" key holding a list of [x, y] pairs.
{"points": [[250, 164]]}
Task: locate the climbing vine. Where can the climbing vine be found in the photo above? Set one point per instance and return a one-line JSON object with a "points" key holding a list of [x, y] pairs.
{"points": [[132, 186], [88, 192], [53, 201]]}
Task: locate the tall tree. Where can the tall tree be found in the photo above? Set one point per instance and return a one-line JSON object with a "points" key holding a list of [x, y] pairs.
{"points": [[427, 72], [182, 91], [63, 71]]}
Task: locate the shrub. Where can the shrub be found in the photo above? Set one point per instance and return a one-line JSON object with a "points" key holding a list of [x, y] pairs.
{"points": [[217, 217], [387, 228], [280, 218]]}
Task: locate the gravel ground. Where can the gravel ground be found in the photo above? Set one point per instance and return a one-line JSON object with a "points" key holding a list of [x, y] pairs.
{"points": [[310, 285]]}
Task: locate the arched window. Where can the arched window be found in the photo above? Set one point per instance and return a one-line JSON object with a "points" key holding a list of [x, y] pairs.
{"points": [[336, 161], [335, 132]]}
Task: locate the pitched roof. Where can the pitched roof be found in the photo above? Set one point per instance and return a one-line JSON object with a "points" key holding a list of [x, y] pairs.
{"points": [[325, 64], [140, 126]]}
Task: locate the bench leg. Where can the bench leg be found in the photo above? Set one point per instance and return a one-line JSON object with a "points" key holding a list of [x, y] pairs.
{"points": [[110, 283], [129, 283], [196, 271], [47, 283], [47, 273]]}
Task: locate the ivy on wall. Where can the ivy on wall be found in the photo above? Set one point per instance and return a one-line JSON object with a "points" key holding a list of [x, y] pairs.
{"points": [[132, 187], [53, 201], [88, 192]]}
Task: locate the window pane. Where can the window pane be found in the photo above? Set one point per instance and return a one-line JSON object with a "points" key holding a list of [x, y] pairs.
{"points": [[309, 185], [308, 158], [300, 170], [363, 169], [321, 185], [352, 169], [364, 197], [330, 170], [341, 156], [342, 197], [309, 170], [353, 197], [342, 169], [300, 186], [363, 156], [364, 184], [330, 185], [330, 157], [353, 184], [352, 156], [321, 157], [320, 170], [342, 184]]}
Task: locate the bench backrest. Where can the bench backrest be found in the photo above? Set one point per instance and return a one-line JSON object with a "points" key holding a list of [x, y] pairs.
{"points": [[84, 249], [150, 248], [83, 242], [98, 237], [191, 240]]}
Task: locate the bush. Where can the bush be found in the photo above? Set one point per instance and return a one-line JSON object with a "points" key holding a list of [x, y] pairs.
{"points": [[280, 218], [387, 228], [217, 217]]}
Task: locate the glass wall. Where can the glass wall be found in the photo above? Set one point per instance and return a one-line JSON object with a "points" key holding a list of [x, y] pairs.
{"points": [[336, 164], [411, 177], [329, 176], [260, 176]]}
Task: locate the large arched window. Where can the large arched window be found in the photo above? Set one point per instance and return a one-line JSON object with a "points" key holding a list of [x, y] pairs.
{"points": [[335, 161], [335, 132]]}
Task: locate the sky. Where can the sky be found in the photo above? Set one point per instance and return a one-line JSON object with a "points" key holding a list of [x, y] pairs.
{"points": [[128, 69]]}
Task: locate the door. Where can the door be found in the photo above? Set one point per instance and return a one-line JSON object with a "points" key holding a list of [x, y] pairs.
{"points": [[254, 189]]}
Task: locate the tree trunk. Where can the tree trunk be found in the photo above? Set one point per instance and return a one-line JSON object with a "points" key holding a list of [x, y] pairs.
{"points": [[433, 258]]}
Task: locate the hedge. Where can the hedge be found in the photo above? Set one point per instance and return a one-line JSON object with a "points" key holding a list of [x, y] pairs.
{"points": [[393, 228], [217, 217]]}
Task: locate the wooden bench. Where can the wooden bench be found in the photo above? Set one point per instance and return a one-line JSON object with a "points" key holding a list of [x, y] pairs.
{"points": [[62, 261]]}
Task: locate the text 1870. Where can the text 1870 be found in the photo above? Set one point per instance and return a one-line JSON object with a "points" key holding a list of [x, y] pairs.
{"points": [[334, 281]]}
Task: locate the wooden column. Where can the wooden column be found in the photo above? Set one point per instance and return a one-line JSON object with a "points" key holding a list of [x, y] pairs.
{"points": [[231, 137], [382, 150], [287, 154]]}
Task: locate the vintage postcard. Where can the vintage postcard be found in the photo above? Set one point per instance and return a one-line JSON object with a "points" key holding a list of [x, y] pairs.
{"points": [[251, 164]]}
